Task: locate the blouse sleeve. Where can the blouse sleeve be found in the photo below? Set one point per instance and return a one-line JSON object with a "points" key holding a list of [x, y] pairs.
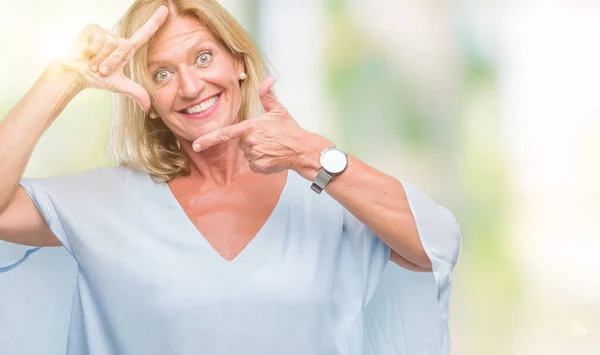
{"points": [[407, 312], [37, 287], [40, 191], [65, 201]]}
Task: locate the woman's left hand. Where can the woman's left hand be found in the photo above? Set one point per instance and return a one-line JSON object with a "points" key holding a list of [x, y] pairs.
{"points": [[271, 142]]}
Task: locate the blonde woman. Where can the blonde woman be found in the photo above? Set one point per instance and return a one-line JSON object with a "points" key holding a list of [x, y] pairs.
{"points": [[213, 236]]}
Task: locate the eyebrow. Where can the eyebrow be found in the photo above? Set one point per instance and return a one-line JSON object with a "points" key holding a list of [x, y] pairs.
{"points": [[165, 63]]}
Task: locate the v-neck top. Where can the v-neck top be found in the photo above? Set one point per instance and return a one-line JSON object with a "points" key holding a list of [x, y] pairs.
{"points": [[186, 223], [149, 283]]}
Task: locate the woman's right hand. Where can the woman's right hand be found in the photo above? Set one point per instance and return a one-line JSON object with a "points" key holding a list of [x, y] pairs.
{"points": [[98, 58]]}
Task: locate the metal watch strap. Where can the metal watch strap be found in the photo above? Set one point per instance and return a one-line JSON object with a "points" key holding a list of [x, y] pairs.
{"points": [[321, 181]]}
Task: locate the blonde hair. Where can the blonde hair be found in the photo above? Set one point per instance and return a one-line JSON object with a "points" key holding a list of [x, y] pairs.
{"points": [[146, 144]]}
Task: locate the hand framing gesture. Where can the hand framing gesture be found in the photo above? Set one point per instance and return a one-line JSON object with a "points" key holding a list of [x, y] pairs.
{"points": [[98, 58], [271, 142]]}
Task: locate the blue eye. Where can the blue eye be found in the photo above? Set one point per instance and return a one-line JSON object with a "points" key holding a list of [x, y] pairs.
{"points": [[161, 75], [203, 58]]}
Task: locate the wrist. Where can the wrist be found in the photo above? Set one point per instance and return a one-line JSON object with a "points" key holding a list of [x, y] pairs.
{"points": [[57, 88], [64, 79], [308, 161]]}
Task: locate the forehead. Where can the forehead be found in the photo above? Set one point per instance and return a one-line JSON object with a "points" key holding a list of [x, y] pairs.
{"points": [[178, 32]]}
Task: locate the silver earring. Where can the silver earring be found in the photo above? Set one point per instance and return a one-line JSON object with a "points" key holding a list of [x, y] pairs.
{"points": [[243, 76], [153, 115]]}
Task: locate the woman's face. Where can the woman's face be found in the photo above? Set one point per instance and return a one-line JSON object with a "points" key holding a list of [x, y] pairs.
{"points": [[196, 79]]}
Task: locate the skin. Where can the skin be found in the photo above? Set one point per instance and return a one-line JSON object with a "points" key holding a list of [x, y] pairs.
{"points": [[22, 127], [238, 168], [227, 197]]}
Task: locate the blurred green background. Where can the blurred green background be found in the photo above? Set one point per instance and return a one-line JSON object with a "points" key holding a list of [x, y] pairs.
{"points": [[491, 107]]}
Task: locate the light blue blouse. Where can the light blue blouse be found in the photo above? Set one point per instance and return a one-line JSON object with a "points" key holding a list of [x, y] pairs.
{"points": [[314, 280]]}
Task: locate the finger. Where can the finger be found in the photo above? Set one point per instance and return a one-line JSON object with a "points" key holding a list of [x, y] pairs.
{"points": [[135, 91], [267, 97], [251, 155], [95, 37], [246, 142], [261, 168], [254, 168], [110, 44], [130, 54], [116, 57], [148, 29], [247, 156], [221, 135]]}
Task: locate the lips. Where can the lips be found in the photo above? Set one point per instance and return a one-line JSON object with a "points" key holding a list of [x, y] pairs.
{"points": [[204, 110], [201, 106]]}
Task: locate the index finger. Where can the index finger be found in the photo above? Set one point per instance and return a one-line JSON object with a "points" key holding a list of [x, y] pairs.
{"points": [[148, 29], [221, 135]]}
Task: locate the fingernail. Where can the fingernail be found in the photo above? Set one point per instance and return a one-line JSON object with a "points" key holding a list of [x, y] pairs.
{"points": [[94, 68], [196, 147], [104, 70]]}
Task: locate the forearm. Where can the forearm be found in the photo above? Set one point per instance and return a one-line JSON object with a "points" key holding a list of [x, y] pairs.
{"points": [[376, 199], [23, 126]]}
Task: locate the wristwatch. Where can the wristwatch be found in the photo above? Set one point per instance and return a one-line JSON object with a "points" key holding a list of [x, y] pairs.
{"points": [[333, 162]]}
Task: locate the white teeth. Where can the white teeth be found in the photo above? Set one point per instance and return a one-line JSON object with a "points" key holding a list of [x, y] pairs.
{"points": [[202, 107]]}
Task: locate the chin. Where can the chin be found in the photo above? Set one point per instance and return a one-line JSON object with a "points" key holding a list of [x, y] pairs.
{"points": [[207, 127]]}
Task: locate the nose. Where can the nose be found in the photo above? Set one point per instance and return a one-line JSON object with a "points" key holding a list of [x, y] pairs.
{"points": [[190, 85]]}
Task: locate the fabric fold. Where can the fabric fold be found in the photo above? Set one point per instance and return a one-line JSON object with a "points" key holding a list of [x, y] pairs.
{"points": [[408, 313], [20, 261]]}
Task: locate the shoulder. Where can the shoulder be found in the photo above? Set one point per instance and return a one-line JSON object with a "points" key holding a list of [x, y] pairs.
{"points": [[102, 180], [106, 173]]}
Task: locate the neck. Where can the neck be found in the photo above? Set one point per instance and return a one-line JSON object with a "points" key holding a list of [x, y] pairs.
{"points": [[219, 165]]}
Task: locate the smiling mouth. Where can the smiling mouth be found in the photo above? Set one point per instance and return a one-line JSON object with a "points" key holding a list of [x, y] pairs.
{"points": [[202, 107]]}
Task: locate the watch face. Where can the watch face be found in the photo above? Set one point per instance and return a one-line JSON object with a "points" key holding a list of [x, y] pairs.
{"points": [[334, 160]]}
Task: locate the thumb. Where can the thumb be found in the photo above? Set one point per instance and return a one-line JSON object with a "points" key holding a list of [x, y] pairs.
{"points": [[267, 97], [135, 91]]}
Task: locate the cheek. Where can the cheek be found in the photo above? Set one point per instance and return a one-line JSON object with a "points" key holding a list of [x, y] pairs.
{"points": [[164, 100], [236, 98], [233, 92]]}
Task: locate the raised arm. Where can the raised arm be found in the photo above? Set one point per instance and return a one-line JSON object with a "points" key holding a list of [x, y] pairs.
{"points": [[21, 129]]}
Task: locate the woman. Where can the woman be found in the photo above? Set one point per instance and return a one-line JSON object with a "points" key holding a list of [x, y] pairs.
{"points": [[209, 237]]}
